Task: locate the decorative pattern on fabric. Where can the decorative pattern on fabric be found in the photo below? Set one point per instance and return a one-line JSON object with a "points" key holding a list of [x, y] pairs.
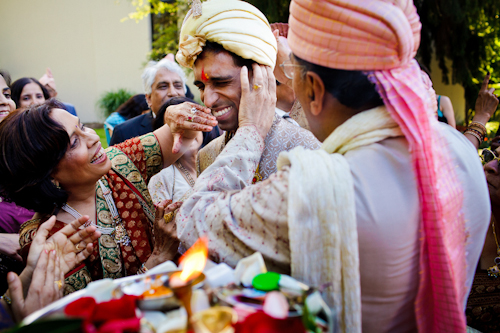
{"points": [[297, 114], [136, 160], [483, 304], [322, 212], [78, 280], [109, 250], [282, 136]]}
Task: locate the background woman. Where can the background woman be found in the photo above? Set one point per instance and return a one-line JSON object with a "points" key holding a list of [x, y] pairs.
{"points": [[59, 167], [27, 91], [12, 215], [177, 179]]}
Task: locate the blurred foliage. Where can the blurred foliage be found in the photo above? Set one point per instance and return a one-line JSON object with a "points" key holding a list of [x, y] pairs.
{"points": [[111, 100], [275, 11], [467, 32]]}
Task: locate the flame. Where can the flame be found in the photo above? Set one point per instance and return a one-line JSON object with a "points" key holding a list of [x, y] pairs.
{"points": [[194, 260]]}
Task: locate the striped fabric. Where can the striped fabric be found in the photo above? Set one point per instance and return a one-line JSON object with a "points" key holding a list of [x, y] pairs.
{"points": [[381, 38]]}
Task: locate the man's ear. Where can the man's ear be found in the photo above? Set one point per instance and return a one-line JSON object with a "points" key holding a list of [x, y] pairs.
{"points": [[315, 92], [148, 100]]}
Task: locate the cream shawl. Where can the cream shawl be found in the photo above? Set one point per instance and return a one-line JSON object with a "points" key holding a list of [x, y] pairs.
{"points": [[322, 215]]}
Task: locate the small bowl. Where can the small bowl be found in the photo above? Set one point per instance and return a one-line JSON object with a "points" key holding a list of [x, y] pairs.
{"points": [[165, 302]]}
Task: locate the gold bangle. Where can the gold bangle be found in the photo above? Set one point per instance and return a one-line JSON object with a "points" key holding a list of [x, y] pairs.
{"points": [[477, 129], [468, 131], [477, 123]]}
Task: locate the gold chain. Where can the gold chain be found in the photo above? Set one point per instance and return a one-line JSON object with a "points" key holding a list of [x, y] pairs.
{"points": [[188, 176]]}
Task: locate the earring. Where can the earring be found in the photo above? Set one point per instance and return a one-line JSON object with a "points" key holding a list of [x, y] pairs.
{"points": [[56, 183]]}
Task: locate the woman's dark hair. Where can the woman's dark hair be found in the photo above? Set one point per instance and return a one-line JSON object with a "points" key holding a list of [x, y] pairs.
{"points": [[5, 76], [158, 121], [133, 107], [218, 48], [18, 85], [31, 146], [352, 88]]}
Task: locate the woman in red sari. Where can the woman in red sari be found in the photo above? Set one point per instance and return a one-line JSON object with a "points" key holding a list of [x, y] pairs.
{"points": [[56, 166]]}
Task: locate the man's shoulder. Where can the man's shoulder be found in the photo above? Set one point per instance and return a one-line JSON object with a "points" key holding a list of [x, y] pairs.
{"points": [[208, 154], [291, 136]]}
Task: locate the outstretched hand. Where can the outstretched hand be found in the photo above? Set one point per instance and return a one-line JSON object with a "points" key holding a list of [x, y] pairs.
{"points": [[486, 103], [46, 286], [258, 98], [72, 244], [185, 119]]}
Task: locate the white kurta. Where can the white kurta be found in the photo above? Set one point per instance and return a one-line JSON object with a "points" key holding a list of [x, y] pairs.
{"points": [[165, 182], [240, 219]]}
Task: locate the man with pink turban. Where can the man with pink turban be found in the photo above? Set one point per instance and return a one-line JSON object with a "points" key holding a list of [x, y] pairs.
{"points": [[391, 213]]}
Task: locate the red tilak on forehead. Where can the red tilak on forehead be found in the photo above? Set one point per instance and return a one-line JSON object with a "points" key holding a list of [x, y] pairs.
{"points": [[204, 76]]}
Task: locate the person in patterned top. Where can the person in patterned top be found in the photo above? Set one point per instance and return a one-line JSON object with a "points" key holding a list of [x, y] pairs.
{"points": [[56, 166]]}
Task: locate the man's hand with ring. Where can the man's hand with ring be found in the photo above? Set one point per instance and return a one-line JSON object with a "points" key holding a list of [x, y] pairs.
{"points": [[185, 119], [258, 98]]}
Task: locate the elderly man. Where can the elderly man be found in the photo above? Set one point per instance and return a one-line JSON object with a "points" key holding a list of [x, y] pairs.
{"points": [[391, 213], [162, 80], [217, 59]]}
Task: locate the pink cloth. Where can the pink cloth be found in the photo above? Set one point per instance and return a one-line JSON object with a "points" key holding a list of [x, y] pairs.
{"points": [[382, 37]]}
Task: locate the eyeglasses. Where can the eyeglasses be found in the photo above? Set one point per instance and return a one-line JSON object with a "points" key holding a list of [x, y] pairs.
{"points": [[288, 67], [488, 156]]}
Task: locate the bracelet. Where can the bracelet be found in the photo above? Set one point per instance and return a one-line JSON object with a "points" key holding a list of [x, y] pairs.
{"points": [[477, 136], [7, 299], [476, 131], [143, 269], [478, 124]]}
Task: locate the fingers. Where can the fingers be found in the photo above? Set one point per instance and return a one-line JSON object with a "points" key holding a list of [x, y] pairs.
{"points": [[74, 226], [43, 231], [245, 84], [271, 81], [47, 272], [159, 212], [84, 254], [258, 79], [16, 293], [172, 207], [58, 281], [486, 80], [87, 235], [177, 145]]}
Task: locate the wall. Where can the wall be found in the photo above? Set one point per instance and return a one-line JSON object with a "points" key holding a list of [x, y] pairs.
{"points": [[454, 91], [83, 42]]}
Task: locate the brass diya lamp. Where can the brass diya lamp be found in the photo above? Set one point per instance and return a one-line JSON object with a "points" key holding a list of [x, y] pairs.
{"points": [[181, 283]]}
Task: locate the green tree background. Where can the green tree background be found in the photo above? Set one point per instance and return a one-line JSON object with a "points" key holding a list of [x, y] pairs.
{"points": [[466, 32]]}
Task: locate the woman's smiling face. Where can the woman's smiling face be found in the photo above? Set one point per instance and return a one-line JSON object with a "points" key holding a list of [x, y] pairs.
{"points": [[6, 103], [85, 161]]}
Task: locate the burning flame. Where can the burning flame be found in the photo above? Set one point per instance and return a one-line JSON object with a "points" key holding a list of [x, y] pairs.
{"points": [[194, 260]]}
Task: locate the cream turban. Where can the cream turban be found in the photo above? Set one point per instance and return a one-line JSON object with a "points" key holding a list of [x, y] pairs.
{"points": [[238, 26]]}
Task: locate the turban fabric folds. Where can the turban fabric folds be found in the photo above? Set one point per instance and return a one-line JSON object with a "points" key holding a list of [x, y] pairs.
{"points": [[237, 25], [381, 37]]}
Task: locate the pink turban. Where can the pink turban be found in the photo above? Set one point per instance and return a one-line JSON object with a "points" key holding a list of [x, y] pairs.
{"points": [[381, 37]]}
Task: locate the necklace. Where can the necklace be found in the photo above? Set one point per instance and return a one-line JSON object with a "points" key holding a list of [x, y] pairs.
{"points": [[186, 173], [119, 232], [494, 271]]}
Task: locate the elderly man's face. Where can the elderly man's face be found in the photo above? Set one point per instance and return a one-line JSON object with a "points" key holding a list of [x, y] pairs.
{"points": [[218, 79], [165, 86]]}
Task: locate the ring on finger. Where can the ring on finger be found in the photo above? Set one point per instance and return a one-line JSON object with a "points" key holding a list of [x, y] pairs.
{"points": [[194, 110], [58, 284], [257, 86], [78, 247], [190, 119], [169, 217]]}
